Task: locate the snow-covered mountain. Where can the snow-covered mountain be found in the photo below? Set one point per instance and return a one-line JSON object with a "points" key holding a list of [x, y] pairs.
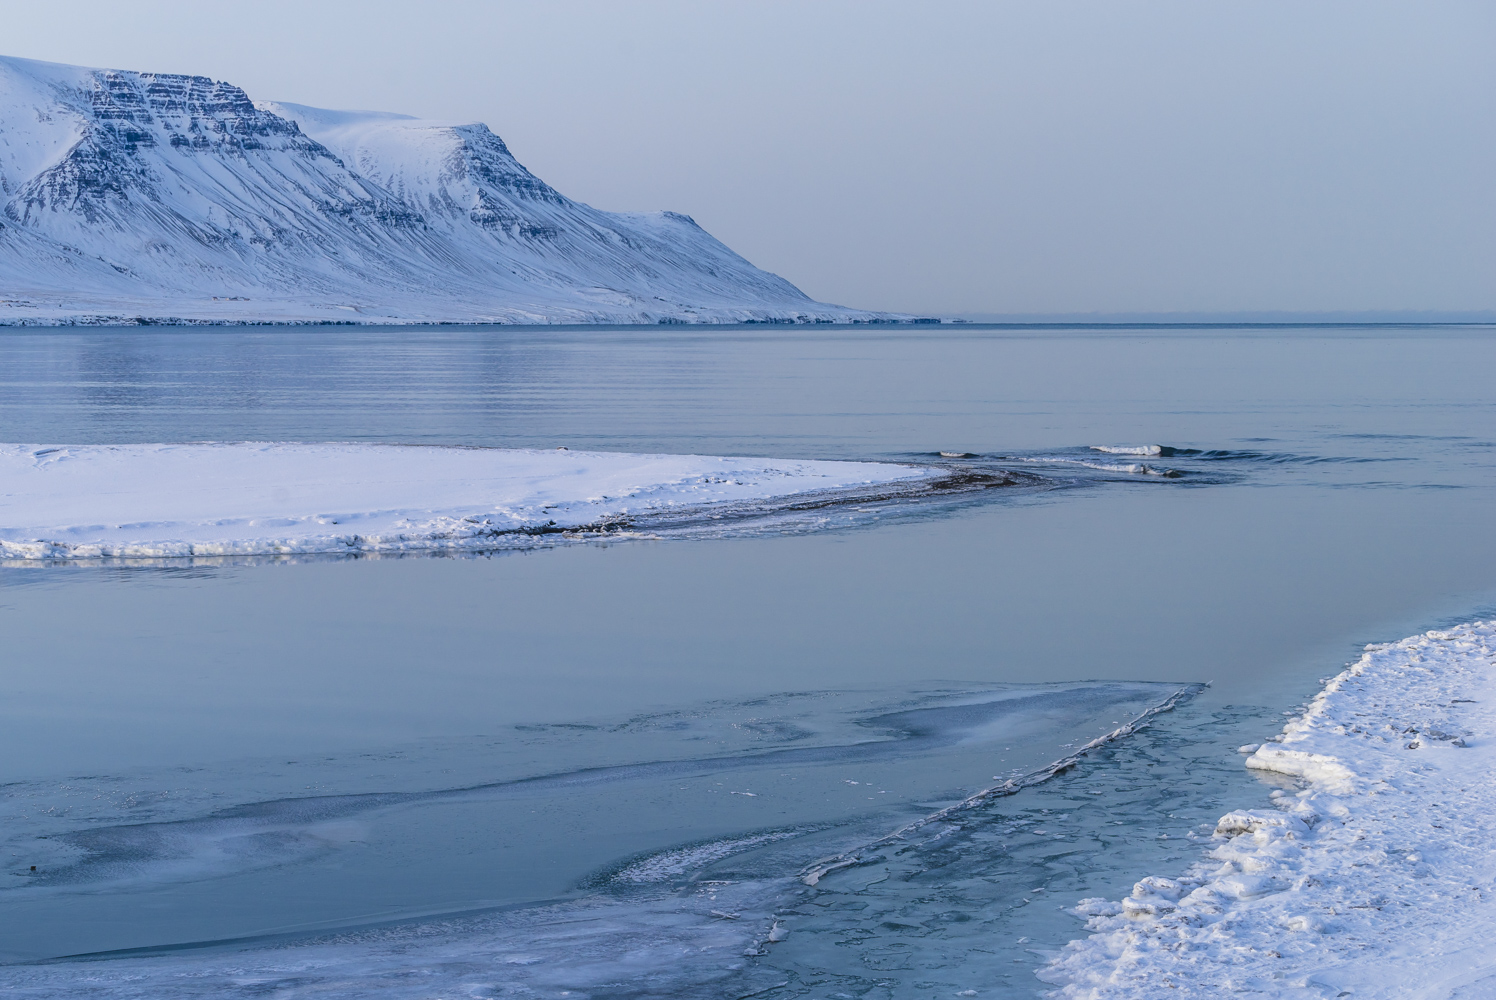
{"points": [[176, 198]]}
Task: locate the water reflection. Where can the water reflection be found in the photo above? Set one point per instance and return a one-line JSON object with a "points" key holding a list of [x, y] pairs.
{"points": [[1340, 493]]}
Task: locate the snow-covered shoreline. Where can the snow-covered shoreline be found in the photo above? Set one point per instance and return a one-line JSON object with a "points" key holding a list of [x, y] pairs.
{"points": [[1375, 877], [73, 502]]}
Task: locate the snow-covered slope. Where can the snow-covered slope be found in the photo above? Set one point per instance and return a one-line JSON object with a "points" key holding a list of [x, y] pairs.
{"points": [[139, 195]]}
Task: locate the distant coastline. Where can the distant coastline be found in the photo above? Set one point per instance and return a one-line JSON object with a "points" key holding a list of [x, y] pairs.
{"points": [[162, 198]]}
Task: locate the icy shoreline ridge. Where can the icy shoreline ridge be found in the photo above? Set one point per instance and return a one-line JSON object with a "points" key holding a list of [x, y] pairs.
{"points": [[131, 197], [1372, 878], [179, 500]]}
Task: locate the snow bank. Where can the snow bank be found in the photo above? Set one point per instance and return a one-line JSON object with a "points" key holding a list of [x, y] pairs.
{"points": [[167, 500], [1372, 878]]}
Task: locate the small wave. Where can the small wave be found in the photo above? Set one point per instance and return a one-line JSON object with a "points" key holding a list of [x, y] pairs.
{"points": [[1136, 470], [1147, 450], [1131, 468], [1275, 457]]}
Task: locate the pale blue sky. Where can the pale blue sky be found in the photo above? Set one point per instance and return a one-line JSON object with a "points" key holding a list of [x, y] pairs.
{"points": [[1050, 156]]}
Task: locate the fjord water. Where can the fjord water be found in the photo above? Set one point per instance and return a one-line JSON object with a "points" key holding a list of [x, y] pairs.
{"points": [[531, 773]]}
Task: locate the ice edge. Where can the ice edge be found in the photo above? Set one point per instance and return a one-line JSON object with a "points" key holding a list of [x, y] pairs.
{"points": [[1380, 861], [862, 854]]}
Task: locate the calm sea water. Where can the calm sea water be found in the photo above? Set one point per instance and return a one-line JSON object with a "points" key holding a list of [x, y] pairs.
{"points": [[600, 770]]}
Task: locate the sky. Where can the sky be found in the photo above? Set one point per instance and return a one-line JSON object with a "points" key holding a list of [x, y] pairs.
{"points": [[1047, 157]]}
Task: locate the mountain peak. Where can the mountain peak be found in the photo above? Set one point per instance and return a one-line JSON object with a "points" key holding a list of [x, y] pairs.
{"points": [[173, 197]]}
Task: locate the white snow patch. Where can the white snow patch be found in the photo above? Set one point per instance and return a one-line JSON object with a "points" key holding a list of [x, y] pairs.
{"points": [[167, 500], [1315, 768], [1373, 880]]}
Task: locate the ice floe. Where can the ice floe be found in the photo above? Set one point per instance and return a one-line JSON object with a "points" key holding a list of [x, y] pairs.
{"points": [[1374, 875], [174, 500]]}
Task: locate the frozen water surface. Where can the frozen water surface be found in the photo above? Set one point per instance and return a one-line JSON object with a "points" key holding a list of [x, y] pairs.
{"points": [[604, 767], [512, 823]]}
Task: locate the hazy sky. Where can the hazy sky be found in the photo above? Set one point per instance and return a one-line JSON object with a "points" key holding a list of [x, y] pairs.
{"points": [[1048, 156]]}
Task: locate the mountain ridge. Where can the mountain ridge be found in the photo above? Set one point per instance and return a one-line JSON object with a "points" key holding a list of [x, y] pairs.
{"points": [[148, 197]]}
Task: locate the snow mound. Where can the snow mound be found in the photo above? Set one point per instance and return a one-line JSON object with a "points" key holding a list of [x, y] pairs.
{"points": [[176, 500], [1372, 879]]}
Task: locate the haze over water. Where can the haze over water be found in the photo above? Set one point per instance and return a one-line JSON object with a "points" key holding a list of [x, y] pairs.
{"points": [[266, 751]]}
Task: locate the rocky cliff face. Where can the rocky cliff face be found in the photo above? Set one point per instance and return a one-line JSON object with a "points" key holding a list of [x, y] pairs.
{"points": [[140, 195]]}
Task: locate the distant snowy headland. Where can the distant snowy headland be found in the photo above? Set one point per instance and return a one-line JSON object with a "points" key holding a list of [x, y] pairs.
{"points": [[147, 197]]}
